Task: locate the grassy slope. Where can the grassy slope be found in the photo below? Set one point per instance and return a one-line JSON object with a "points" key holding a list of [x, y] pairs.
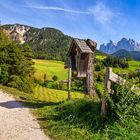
{"points": [[53, 95], [50, 68], [101, 57], [77, 119], [47, 101], [133, 65]]}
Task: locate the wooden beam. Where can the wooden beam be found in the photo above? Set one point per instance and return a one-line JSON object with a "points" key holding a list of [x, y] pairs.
{"points": [[69, 79], [112, 77], [89, 80], [103, 107], [107, 79]]}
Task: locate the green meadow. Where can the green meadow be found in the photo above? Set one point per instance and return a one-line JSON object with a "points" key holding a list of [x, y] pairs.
{"points": [[50, 68], [53, 95], [77, 119]]}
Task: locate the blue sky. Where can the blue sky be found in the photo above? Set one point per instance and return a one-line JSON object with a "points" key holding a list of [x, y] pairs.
{"points": [[100, 20]]}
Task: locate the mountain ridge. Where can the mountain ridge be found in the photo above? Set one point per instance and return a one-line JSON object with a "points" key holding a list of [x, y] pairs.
{"points": [[46, 42], [124, 43]]}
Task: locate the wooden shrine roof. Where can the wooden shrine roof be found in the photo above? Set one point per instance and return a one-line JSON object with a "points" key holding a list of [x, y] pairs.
{"points": [[81, 44]]}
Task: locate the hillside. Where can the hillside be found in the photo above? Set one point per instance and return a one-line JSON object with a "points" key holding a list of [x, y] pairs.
{"points": [[46, 43], [124, 43], [126, 54]]}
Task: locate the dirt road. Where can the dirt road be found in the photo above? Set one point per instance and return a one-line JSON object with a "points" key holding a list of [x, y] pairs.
{"points": [[16, 121]]}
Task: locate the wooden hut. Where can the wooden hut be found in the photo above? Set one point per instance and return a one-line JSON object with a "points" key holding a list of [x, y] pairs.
{"points": [[78, 54], [80, 59]]}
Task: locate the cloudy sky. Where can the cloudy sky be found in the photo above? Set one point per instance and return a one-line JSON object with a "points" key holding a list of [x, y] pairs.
{"points": [[100, 20]]}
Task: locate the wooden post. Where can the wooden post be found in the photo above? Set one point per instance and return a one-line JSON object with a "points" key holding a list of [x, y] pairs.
{"points": [[107, 79], [90, 69], [108, 89], [103, 107], [89, 80], [69, 79]]}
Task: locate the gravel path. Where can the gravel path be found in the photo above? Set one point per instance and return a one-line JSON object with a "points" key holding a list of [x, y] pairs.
{"points": [[16, 121]]}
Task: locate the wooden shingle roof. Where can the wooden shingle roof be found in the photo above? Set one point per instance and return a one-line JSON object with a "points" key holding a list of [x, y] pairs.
{"points": [[81, 45], [84, 48]]}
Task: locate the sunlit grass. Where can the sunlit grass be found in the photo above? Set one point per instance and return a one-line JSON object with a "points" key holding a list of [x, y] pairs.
{"points": [[50, 68], [53, 95], [100, 57]]}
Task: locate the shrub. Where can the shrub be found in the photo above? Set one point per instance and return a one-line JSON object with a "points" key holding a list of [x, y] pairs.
{"points": [[61, 85], [16, 63], [55, 86], [81, 112], [100, 78], [124, 107], [20, 83], [110, 61], [4, 76], [55, 78], [97, 67], [79, 84]]}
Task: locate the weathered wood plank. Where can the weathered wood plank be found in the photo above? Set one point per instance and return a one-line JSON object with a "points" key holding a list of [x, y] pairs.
{"points": [[107, 79], [112, 77], [116, 79], [69, 79]]}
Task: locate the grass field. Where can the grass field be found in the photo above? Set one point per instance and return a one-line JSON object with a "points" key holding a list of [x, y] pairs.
{"points": [[53, 95], [100, 57], [50, 68]]}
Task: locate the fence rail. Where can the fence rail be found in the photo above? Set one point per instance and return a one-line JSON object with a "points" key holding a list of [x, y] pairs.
{"points": [[112, 77]]}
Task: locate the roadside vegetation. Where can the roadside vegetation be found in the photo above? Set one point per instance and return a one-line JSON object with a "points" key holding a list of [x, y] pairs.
{"points": [[80, 117]]}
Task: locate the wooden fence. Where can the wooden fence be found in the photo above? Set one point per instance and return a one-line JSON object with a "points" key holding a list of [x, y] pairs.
{"points": [[112, 77]]}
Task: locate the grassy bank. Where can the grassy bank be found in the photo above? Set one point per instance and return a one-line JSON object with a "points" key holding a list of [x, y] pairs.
{"points": [[79, 118]]}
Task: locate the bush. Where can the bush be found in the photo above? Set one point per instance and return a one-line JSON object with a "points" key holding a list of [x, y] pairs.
{"points": [[4, 76], [16, 64], [20, 83], [61, 85], [97, 67], [110, 61], [55, 85], [124, 107], [79, 84], [100, 78], [55, 78]]}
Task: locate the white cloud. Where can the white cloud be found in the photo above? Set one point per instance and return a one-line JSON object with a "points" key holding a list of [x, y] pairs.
{"points": [[102, 13], [58, 9]]}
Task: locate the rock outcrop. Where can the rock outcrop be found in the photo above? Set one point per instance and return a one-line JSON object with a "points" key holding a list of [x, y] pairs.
{"points": [[18, 33]]}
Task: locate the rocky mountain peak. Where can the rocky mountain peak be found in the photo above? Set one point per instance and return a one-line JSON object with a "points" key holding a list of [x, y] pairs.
{"points": [[124, 43], [18, 32], [20, 29]]}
